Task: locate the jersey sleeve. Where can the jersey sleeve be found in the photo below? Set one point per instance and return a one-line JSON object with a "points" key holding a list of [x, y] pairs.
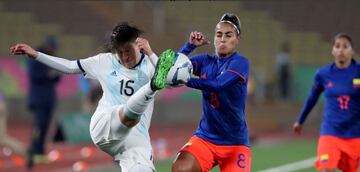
{"points": [[187, 48], [240, 67], [236, 72], [90, 66], [150, 65], [223, 81], [197, 62], [312, 99]]}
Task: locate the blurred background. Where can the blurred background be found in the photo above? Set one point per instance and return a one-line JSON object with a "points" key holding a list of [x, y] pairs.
{"points": [[285, 41]]}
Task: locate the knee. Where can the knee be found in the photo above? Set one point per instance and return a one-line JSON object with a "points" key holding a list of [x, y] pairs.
{"points": [[185, 162], [180, 167], [185, 166], [128, 122]]}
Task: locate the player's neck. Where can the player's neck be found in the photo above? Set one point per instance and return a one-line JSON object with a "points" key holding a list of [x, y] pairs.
{"points": [[343, 64], [223, 55], [131, 63]]}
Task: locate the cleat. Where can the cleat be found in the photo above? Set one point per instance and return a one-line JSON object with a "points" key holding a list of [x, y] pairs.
{"points": [[41, 159], [33, 159], [165, 62]]}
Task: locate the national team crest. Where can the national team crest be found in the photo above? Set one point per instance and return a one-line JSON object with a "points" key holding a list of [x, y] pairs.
{"points": [[189, 143], [356, 82], [324, 157]]}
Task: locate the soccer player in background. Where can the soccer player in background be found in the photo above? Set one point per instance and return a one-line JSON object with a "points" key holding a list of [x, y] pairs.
{"points": [[222, 135], [339, 142], [129, 80], [41, 101]]}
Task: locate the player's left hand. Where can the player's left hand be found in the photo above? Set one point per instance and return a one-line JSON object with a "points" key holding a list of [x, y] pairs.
{"points": [[144, 45], [198, 39]]}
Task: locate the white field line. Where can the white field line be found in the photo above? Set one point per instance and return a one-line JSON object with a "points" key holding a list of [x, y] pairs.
{"points": [[299, 165]]}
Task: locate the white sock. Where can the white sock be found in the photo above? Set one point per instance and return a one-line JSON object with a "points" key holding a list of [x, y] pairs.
{"points": [[138, 102]]}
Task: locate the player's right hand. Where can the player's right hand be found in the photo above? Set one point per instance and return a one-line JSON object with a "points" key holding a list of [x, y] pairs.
{"points": [[198, 39], [23, 49], [297, 128]]}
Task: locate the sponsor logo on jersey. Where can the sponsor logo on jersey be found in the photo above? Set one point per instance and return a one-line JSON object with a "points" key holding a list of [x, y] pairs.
{"points": [[203, 76], [330, 84]]}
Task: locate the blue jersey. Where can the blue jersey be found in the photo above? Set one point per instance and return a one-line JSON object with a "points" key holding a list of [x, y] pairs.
{"points": [[223, 82], [341, 117], [42, 91]]}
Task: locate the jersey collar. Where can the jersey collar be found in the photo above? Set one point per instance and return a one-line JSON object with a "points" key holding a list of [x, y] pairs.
{"points": [[352, 63], [225, 59], [141, 59]]}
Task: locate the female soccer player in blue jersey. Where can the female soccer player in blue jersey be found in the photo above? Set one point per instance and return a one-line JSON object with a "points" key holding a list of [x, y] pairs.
{"points": [[339, 142], [222, 136]]}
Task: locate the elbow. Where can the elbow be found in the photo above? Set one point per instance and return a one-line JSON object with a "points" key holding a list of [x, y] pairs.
{"points": [[69, 70], [219, 87]]}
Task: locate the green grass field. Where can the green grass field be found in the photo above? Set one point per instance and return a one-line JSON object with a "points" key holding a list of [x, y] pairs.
{"points": [[265, 156]]}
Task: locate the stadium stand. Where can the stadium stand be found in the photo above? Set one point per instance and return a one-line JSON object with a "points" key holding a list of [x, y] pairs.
{"points": [[264, 31]]}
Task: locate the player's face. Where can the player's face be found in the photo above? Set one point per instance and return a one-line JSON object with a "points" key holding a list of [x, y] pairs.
{"points": [[226, 39], [342, 51], [129, 54]]}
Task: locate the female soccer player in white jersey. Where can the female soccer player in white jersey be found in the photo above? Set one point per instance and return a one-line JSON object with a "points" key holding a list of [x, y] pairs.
{"points": [[129, 80]]}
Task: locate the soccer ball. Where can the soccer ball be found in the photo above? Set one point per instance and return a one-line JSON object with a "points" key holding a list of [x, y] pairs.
{"points": [[180, 72]]}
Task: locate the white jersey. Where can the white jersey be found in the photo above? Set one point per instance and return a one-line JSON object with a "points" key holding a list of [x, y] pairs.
{"points": [[118, 84], [130, 146], [117, 81]]}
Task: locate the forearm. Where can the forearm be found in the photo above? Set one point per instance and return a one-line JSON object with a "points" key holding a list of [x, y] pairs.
{"points": [[305, 112], [217, 84], [60, 64], [187, 48], [309, 105], [202, 84], [153, 59]]}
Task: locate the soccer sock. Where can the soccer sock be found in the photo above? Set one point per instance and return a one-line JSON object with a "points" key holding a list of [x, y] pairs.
{"points": [[138, 102]]}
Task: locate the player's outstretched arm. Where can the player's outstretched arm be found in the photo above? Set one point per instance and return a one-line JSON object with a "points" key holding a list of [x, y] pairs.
{"points": [[311, 101], [297, 128], [60, 64]]}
